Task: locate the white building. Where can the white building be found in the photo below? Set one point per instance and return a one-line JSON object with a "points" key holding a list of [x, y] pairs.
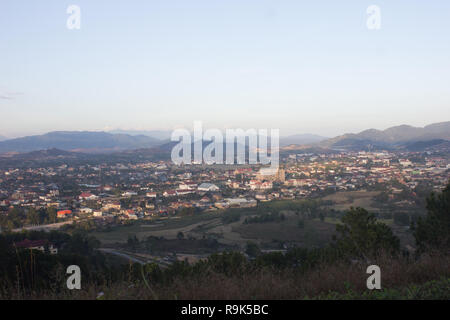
{"points": [[208, 187], [97, 214]]}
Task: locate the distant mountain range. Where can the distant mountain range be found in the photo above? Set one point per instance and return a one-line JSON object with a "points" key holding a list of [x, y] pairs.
{"points": [[398, 137], [157, 134], [402, 137], [301, 139], [80, 141], [165, 136]]}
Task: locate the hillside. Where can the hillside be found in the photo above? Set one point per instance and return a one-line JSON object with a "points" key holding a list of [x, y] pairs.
{"points": [[82, 141], [301, 139], [399, 137], [156, 134], [394, 137]]}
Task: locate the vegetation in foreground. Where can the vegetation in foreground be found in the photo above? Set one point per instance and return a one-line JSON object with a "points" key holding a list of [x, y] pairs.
{"points": [[337, 271], [229, 276]]}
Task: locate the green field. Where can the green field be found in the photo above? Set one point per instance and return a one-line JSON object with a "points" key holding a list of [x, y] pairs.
{"points": [[167, 228], [237, 233], [343, 200], [269, 234]]}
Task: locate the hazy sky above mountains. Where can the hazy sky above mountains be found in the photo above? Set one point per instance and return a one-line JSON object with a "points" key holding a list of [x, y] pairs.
{"points": [[301, 66]]}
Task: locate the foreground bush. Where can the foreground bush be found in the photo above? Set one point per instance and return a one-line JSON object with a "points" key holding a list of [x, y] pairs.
{"points": [[401, 278]]}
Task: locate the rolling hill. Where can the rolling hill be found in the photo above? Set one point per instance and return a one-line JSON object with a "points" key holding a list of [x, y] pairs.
{"points": [[301, 139], [399, 137], [156, 134], [81, 141], [394, 137]]}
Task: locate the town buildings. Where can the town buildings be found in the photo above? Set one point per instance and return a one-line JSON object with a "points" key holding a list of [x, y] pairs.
{"points": [[133, 191]]}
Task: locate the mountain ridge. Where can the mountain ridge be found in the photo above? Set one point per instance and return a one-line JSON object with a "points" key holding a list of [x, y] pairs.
{"points": [[86, 141], [392, 137], [397, 137]]}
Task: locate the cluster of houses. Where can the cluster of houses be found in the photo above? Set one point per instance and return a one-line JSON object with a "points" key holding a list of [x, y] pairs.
{"points": [[39, 245], [136, 191]]}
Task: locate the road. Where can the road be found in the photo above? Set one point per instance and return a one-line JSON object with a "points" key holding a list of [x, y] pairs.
{"points": [[123, 255], [44, 227]]}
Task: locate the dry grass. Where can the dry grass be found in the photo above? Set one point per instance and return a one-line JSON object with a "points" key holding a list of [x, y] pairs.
{"points": [[269, 284]]}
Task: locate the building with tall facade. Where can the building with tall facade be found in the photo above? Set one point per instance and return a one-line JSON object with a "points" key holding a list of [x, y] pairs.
{"points": [[271, 174]]}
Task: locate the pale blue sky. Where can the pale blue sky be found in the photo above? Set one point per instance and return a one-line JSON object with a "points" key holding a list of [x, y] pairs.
{"points": [[301, 66]]}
